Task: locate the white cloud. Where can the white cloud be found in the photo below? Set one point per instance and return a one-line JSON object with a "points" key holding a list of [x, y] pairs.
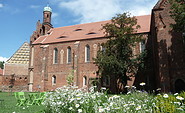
{"points": [[55, 17], [1, 5], [98, 10], [34, 6], [3, 58], [93, 10]]}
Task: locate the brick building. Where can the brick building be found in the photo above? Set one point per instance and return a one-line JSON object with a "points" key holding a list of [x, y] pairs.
{"points": [[15, 73], [55, 53], [168, 50]]}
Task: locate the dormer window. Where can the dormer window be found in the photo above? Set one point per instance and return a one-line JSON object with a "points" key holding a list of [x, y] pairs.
{"points": [[78, 29], [90, 33], [61, 37]]}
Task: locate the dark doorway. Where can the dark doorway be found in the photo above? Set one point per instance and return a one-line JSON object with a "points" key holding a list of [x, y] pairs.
{"points": [[179, 85]]}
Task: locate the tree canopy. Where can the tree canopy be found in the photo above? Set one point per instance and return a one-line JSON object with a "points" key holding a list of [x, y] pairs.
{"points": [[178, 14], [116, 56], [1, 64]]}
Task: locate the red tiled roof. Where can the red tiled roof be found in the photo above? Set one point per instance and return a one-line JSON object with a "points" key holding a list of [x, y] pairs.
{"points": [[85, 31], [1, 71]]}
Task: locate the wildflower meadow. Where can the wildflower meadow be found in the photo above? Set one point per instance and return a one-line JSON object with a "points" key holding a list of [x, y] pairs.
{"points": [[70, 99]]}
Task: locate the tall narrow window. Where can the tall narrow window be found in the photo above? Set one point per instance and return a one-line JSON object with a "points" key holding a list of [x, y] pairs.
{"points": [[87, 53], [84, 81], [55, 56], [142, 46], [69, 55], [54, 79]]}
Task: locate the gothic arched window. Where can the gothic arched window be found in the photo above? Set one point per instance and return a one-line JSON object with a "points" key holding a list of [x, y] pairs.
{"points": [[69, 55], [87, 53], [55, 56], [54, 79], [84, 81]]}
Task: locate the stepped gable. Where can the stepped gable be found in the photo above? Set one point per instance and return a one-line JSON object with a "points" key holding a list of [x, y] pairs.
{"points": [[160, 4], [85, 31], [21, 56]]}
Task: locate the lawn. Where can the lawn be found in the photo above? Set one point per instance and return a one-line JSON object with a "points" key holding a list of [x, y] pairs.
{"points": [[9, 105]]}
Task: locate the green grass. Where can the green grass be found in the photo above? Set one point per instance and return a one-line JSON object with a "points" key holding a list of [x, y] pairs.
{"points": [[9, 105]]}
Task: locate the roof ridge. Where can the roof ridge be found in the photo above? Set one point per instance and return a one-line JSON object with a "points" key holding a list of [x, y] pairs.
{"points": [[92, 22]]}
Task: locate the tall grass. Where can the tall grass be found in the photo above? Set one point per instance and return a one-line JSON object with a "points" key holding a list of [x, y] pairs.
{"points": [[9, 105]]}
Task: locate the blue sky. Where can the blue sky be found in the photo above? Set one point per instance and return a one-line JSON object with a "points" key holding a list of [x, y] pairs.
{"points": [[18, 17]]}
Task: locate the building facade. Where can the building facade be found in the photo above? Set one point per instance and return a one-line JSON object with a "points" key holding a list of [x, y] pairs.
{"points": [[57, 53], [168, 50]]}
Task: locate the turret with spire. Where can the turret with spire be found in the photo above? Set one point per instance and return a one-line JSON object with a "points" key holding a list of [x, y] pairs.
{"points": [[47, 19], [43, 28], [47, 14]]}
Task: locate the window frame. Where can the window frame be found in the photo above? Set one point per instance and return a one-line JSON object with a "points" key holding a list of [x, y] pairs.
{"points": [[55, 56], [84, 81], [54, 80], [142, 46], [87, 53], [69, 56]]}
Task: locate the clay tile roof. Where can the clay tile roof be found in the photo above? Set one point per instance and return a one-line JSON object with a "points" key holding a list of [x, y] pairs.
{"points": [[85, 31], [21, 56]]}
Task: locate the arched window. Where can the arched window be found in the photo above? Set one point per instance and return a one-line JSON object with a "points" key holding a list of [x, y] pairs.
{"points": [[69, 55], [142, 46], [55, 56], [87, 53], [84, 81], [54, 80]]}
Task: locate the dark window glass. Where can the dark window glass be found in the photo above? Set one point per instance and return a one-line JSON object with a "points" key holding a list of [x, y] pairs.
{"points": [[55, 56], [69, 54]]}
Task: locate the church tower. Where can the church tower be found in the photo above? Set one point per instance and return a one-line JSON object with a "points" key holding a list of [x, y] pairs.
{"points": [[47, 14], [46, 20], [45, 26]]}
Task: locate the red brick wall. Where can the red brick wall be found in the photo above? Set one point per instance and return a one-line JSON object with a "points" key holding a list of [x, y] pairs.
{"points": [[20, 72], [17, 69], [44, 68], [167, 48], [20, 83]]}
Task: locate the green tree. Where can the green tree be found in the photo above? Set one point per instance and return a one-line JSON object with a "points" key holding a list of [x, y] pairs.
{"points": [[116, 58], [1, 64], [178, 14], [70, 78]]}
